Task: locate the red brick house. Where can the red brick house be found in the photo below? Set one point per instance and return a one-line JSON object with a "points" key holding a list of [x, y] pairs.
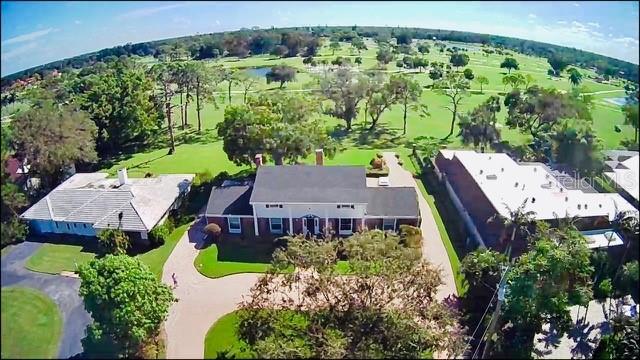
{"points": [[310, 199]]}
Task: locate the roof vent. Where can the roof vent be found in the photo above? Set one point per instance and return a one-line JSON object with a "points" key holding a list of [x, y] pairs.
{"points": [[561, 189], [533, 200], [579, 207], [516, 184], [535, 169], [492, 177], [502, 169], [585, 206], [481, 171], [600, 205], [566, 199]]}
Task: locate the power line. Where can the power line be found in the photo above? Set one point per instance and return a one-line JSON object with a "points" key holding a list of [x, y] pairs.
{"points": [[485, 312], [504, 273]]}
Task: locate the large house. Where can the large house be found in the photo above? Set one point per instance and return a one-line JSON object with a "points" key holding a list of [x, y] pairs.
{"points": [[482, 186], [309, 199], [88, 203], [622, 170]]}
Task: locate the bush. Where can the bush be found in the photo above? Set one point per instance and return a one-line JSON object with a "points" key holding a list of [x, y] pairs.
{"points": [[202, 178], [213, 230], [114, 241], [411, 236], [377, 172], [379, 155], [148, 175], [159, 234]]}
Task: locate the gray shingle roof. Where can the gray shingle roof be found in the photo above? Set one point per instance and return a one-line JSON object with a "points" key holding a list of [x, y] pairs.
{"points": [[92, 198], [230, 200], [392, 201], [310, 184]]}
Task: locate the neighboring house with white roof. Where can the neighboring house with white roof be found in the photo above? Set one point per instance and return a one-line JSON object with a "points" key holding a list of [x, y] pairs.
{"points": [[487, 184], [87, 203], [622, 169]]}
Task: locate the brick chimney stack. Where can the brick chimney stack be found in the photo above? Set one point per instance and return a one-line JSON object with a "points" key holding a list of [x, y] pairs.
{"points": [[258, 160], [319, 157]]}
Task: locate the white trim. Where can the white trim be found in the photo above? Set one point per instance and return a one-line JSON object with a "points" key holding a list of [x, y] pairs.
{"points": [[271, 226], [255, 221], [234, 231], [391, 217], [228, 216], [345, 232], [306, 203]]}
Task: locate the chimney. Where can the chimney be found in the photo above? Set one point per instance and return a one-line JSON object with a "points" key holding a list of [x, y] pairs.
{"points": [[319, 157], [258, 160], [123, 178]]}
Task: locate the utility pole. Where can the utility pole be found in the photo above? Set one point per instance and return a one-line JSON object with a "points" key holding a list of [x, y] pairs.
{"points": [[496, 312]]}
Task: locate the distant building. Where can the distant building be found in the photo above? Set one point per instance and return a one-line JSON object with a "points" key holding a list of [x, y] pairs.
{"points": [[88, 203], [483, 185], [622, 169]]}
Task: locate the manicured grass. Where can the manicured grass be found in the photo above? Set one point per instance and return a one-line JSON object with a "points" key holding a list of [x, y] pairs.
{"points": [[156, 258], [54, 258], [233, 256], [454, 259], [222, 338], [31, 324]]}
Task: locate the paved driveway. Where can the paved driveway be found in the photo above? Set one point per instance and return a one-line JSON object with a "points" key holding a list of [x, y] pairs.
{"points": [[433, 248], [63, 290], [201, 300]]}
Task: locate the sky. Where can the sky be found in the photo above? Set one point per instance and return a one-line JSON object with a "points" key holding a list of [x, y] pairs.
{"points": [[35, 33]]}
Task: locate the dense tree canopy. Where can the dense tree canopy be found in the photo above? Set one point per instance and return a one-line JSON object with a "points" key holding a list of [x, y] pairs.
{"points": [[127, 302], [509, 63], [459, 60], [285, 127], [388, 309], [51, 138], [12, 229], [346, 89], [478, 127], [281, 74], [119, 102]]}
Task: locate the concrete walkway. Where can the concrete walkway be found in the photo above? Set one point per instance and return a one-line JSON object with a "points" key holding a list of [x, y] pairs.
{"points": [[433, 248], [61, 289], [201, 300]]}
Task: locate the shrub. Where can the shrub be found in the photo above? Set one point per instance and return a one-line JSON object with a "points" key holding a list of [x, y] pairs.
{"points": [[379, 155], [148, 174], [159, 234], [213, 230], [202, 178], [114, 241], [411, 236]]}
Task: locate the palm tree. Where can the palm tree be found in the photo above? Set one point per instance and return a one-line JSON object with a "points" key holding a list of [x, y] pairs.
{"points": [[574, 77], [518, 220]]}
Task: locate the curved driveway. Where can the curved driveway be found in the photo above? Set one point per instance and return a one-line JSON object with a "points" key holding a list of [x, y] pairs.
{"points": [[201, 300], [61, 289]]}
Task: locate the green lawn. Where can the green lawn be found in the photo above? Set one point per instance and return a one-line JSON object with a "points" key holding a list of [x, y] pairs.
{"points": [[234, 256], [222, 338], [31, 324], [53, 258], [156, 258]]}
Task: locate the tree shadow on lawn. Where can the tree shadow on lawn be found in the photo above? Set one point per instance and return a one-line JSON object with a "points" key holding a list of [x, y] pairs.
{"points": [[232, 248], [87, 243], [191, 136], [381, 137]]}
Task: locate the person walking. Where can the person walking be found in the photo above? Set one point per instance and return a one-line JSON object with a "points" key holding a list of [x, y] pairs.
{"points": [[175, 280]]}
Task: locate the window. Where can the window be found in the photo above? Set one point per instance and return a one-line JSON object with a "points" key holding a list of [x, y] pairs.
{"points": [[345, 206], [234, 225], [389, 224], [68, 227], [57, 226], [346, 226], [269, 206], [84, 225], [275, 224]]}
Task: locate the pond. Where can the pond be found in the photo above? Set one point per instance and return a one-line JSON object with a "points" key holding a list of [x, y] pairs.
{"points": [[620, 101], [258, 72]]}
